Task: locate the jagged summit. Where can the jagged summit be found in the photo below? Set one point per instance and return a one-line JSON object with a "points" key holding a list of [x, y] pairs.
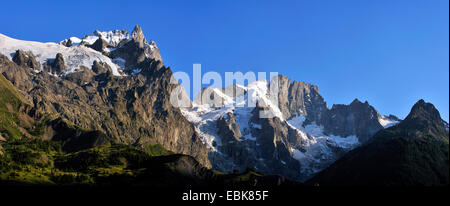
{"points": [[425, 110], [425, 118], [138, 36], [356, 101], [122, 91], [124, 53]]}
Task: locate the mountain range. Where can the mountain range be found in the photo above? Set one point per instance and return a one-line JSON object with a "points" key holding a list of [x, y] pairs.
{"points": [[97, 109]]}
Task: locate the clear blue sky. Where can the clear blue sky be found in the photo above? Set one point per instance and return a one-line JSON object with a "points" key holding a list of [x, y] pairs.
{"points": [[388, 52]]}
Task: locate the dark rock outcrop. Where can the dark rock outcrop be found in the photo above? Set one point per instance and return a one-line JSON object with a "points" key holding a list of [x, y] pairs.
{"points": [[73, 138], [26, 59], [393, 117], [358, 119], [67, 43], [99, 45], [231, 144], [229, 129], [100, 68], [58, 65]]}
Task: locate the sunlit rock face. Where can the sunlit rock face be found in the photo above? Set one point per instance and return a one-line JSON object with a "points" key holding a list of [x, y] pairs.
{"points": [[112, 82]]}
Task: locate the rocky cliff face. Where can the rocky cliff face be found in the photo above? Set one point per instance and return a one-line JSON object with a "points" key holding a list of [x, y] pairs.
{"points": [[127, 100], [299, 98], [358, 119]]}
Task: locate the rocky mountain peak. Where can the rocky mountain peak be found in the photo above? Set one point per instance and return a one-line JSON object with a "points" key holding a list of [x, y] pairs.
{"points": [[425, 110], [138, 36], [137, 108], [356, 102], [425, 118]]}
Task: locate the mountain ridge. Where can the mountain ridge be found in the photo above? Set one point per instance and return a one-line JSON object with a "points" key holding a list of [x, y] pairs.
{"points": [[114, 86]]}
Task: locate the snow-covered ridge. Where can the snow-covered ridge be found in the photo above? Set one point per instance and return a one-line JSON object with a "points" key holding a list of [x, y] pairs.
{"points": [[74, 56], [254, 92], [111, 37], [203, 114], [115, 40]]}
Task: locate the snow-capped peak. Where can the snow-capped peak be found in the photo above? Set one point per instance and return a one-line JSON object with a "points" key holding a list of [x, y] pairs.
{"points": [[112, 37], [74, 56]]}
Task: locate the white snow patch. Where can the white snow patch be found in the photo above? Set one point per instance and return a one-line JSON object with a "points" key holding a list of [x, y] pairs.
{"points": [[386, 122], [75, 40], [90, 39], [317, 148], [112, 37], [204, 120]]}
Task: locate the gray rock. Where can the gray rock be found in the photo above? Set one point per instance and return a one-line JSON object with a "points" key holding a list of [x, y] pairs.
{"points": [[138, 36], [299, 98], [358, 119], [82, 76], [26, 59], [99, 68], [229, 129], [58, 65], [67, 43]]}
